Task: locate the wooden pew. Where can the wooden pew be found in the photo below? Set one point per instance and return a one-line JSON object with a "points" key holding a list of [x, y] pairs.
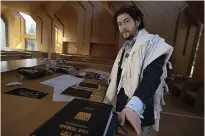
{"points": [[17, 55], [14, 64], [90, 61]]}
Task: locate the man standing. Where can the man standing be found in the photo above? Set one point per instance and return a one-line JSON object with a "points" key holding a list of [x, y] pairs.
{"points": [[138, 73]]}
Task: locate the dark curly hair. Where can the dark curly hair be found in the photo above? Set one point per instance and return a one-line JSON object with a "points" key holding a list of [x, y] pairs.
{"points": [[133, 11]]}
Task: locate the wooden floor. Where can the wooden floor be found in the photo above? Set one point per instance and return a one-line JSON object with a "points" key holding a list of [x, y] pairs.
{"points": [[179, 119]]}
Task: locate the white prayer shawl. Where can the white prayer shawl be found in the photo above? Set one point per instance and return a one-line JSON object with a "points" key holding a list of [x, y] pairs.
{"points": [[146, 49]]}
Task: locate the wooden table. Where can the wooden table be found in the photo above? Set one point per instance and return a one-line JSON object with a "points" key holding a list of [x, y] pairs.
{"points": [[14, 64], [21, 115]]}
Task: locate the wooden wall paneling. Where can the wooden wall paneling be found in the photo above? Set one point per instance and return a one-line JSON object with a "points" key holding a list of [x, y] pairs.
{"points": [[53, 6], [22, 31], [9, 18], [59, 28], [180, 43], [46, 30], [18, 29], [65, 48], [146, 13], [118, 5], [170, 28], [168, 22], [59, 24], [15, 31], [103, 32], [69, 47], [155, 17], [88, 25], [189, 48], [102, 41], [23, 6], [103, 50], [162, 21], [111, 6], [197, 8], [39, 32], [199, 63], [102, 23], [39, 29], [176, 46], [106, 6], [173, 57], [190, 26], [51, 34], [151, 21], [68, 16], [160, 17], [80, 25]]}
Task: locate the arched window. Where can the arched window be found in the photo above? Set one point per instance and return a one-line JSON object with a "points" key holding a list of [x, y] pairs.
{"points": [[30, 32], [30, 24], [4, 35]]}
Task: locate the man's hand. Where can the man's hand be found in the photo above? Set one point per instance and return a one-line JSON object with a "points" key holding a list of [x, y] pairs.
{"points": [[132, 117]]}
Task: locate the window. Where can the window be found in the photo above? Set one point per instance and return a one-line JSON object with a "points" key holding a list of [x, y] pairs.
{"points": [[3, 34], [30, 44], [30, 31], [194, 53], [30, 24], [58, 40], [58, 37]]}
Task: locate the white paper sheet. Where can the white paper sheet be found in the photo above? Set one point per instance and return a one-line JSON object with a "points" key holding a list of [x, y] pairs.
{"points": [[63, 81], [58, 97], [97, 71]]}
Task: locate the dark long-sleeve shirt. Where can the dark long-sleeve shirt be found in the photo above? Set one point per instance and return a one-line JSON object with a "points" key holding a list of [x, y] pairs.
{"points": [[145, 90]]}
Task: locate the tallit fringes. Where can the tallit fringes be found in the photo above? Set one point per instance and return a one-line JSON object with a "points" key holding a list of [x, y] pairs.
{"points": [[109, 101], [106, 100]]}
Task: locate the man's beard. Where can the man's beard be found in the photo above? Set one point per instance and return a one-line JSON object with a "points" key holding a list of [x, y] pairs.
{"points": [[127, 38]]}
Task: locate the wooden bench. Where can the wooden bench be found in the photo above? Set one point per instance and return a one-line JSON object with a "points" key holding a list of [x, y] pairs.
{"points": [[14, 64]]}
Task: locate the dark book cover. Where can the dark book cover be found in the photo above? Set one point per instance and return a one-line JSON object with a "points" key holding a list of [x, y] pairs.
{"points": [[78, 118], [77, 92], [25, 92], [88, 85], [113, 125]]}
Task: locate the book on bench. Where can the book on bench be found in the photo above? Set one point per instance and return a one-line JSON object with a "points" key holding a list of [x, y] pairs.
{"points": [[78, 118], [88, 85], [77, 92]]}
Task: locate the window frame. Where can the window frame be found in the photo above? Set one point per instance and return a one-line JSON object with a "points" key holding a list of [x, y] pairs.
{"points": [[6, 29], [26, 42]]}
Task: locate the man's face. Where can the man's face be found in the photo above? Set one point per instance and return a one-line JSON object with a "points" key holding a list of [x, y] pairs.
{"points": [[127, 26]]}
